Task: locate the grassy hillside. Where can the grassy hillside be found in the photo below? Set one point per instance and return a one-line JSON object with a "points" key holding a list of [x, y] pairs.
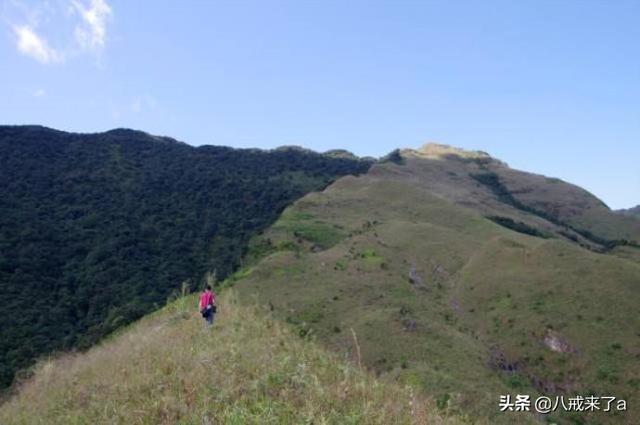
{"points": [[443, 297], [96, 230], [634, 212], [248, 369], [489, 186]]}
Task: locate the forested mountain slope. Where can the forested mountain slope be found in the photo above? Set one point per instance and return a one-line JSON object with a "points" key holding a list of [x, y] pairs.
{"points": [[464, 276], [97, 230]]}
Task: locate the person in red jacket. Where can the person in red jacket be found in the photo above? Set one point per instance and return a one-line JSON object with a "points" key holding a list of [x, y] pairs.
{"points": [[208, 305]]}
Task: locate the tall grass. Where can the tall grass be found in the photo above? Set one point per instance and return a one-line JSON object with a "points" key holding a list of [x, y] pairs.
{"points": [[169, 368]]}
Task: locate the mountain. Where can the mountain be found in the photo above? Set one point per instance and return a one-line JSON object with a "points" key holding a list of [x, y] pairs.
{"points": [[634, 212], [97, 230], [452, 277], [463, 277], [168, 369]]}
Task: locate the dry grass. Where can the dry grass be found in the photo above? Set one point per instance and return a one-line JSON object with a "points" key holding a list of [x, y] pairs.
{"points": [[169, 368]]}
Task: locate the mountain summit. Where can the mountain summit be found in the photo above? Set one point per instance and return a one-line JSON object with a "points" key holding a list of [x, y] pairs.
{"points": [[437, 150]]}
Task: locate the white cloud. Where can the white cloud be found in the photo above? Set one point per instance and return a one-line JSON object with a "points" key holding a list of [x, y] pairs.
{"points": [[33, 45], [39, 93], [92, 32], [86, 21]]}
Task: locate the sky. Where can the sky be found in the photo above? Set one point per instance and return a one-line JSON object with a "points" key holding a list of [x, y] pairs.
{"points": [[551, 87]]}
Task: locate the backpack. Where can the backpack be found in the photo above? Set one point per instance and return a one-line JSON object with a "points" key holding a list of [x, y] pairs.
{"points": [[211, 309]]}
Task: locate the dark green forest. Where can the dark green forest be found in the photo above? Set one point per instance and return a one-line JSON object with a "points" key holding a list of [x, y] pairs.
{"points": [[97, 230]]}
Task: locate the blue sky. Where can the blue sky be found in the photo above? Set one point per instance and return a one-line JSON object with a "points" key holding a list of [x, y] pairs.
{"points": [[547, 86]]}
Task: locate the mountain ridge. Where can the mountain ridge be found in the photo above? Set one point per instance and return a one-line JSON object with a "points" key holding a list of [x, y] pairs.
{"points": [[461, 277], [470, 285], [633, 211], [125, 132]]}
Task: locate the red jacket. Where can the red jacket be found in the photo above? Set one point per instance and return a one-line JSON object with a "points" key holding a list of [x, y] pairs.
{"points": [[207, 298]]}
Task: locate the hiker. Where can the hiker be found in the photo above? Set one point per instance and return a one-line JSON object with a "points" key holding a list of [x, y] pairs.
{"points": [[208, 305]]}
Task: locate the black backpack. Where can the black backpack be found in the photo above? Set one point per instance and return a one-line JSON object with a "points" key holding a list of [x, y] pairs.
{"points": [[210, 309]]}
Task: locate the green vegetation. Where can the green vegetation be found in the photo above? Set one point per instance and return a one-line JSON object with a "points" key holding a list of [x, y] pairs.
{"points": [[463, 309], [448, 275], [249, 369], [517, 226], [305, 227], [97, 230], [492, 181], [394, 156]]}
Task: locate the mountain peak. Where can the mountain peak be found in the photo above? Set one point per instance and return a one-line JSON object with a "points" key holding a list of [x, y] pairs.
{"points": [[438, 149], [432, 150]]}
